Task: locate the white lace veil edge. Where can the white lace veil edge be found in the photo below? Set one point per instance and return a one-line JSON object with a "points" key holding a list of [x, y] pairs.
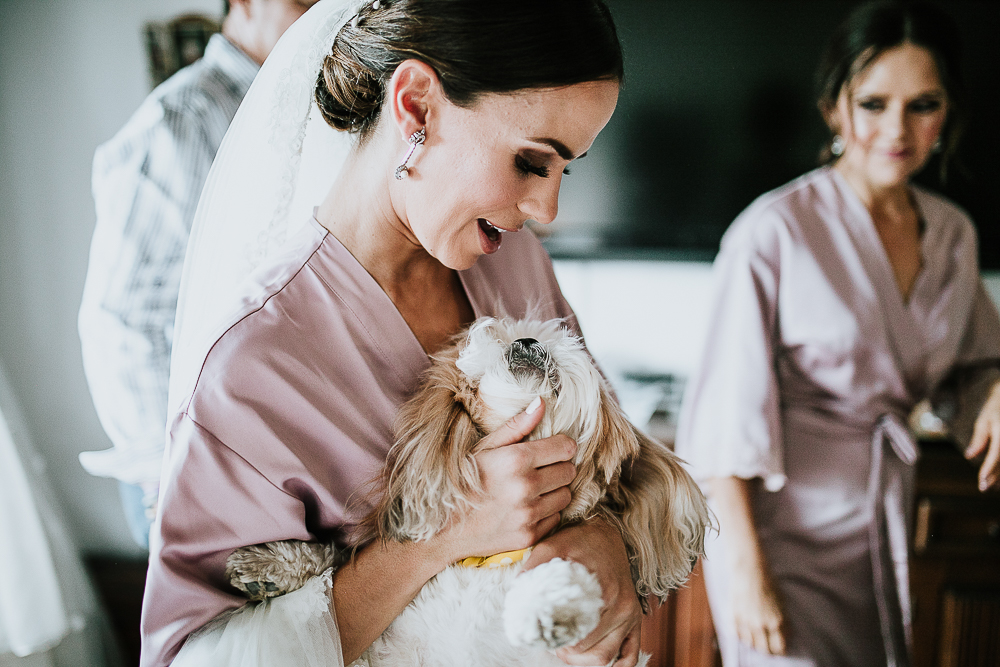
{"points": [[275, 164]]}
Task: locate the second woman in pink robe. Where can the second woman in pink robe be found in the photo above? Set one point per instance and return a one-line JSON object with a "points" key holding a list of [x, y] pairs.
{"points": [[812, 364]]}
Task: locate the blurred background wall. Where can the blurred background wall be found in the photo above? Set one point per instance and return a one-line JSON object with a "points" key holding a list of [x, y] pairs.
{"points": [[717, 109], [71, 73]]}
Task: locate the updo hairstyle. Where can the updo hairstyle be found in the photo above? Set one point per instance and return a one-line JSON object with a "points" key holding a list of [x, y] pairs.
{"points": [[474, 46], [876, 27]]}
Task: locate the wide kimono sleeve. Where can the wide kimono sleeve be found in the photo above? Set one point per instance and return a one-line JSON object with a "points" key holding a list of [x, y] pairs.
{"points": [[730, 419], [216, 502]]}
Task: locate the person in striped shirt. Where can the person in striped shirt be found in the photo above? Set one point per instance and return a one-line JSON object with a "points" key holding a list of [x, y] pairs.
{"points": [[146, 183]]}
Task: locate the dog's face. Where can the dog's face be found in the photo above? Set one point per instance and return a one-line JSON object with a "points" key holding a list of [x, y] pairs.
{"points": [[504, 364]]}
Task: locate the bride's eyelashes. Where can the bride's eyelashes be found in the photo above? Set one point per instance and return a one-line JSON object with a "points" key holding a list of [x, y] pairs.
{"points": [[528, 168]]}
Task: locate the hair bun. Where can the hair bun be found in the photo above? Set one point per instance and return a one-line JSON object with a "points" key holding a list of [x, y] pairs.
{"points": [[474, 47], [349, 95]]}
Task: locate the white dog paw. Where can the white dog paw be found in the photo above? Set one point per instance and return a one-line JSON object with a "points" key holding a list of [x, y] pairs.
{"points": [[555, 604]]}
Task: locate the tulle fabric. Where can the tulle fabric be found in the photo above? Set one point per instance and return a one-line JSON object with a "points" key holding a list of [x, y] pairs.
{"points": [[275, 164], [294, 630], [49, 616]]}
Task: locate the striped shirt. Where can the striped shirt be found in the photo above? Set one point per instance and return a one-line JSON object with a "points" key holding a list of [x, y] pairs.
{"points": [[146, 184]]}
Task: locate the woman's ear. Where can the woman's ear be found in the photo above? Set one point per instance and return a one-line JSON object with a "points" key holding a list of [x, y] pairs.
{"points": [[414, 90], [838, 116], [826, 110]]}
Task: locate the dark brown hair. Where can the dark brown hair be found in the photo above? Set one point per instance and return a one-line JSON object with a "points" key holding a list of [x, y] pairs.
{"points": [[475, 47], [876, 27]]}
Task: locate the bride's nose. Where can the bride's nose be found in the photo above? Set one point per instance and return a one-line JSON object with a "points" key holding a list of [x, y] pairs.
{"points": [[542, 202]]}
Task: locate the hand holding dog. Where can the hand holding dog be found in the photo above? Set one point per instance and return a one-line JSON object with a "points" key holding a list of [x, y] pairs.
{"points": [[599, 546], [525, 487]]}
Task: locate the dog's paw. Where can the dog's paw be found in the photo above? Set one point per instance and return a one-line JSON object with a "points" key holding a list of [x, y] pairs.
{"points": [[555, 604], [268, 570]]}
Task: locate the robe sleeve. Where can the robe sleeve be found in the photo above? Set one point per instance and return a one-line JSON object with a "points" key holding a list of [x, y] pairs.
{"points": [[960, 396], [730, 419], [213, 502]]}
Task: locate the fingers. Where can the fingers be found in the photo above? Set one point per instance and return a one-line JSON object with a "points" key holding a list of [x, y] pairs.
{"points": [[517, 428], [608, 650], [988, 472], [986, 439], [980, 438], [551, 477], [525, 484], [629, 652], [553, 502], [539, 453], [759, 620], [545, 452], [767, 639], [775, 642]]}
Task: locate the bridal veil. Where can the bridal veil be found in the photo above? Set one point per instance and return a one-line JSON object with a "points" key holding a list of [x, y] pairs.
{"points": [[275, 164]]}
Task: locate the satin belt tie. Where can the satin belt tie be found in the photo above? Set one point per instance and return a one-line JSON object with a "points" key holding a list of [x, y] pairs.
{"points": [[889, 496]]}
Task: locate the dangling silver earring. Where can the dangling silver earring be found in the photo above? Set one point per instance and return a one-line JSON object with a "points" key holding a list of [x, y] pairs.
{"points": [[936, 148], [838, 145], [417, 138]]}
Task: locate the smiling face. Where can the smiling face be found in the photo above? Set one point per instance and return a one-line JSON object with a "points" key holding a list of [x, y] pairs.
{"points": [[890, 116], [496, 164]]}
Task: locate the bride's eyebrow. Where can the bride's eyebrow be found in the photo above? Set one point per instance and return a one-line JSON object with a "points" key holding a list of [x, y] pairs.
{"points": [[559, 147]]}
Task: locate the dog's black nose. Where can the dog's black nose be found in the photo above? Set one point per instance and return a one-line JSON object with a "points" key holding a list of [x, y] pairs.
{"points": [[527, 355]]}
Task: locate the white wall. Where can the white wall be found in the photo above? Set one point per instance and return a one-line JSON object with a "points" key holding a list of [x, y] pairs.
{"points": [[649, 316], [71, 73]]}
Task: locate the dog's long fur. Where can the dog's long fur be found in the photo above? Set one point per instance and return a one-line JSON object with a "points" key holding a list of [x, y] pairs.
{"points": [[472, 388], [634, 481]]}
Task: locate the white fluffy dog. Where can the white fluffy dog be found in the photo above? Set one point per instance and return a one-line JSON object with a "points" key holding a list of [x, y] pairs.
{"points": [[484, 616]]}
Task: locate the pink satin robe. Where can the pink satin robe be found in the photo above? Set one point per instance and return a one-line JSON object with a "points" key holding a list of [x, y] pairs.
{"points": [[292, 416], [812, 363]]}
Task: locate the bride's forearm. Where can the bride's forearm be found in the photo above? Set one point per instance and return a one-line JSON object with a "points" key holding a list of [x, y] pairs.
{"points": [[373, 588]]}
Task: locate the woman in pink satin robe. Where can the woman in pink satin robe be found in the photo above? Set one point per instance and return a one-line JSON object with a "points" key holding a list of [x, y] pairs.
{"points": [[842, 299], [468, 115]]}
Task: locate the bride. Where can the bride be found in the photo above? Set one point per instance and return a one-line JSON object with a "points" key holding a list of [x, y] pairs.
{"points": [[308, 311]]}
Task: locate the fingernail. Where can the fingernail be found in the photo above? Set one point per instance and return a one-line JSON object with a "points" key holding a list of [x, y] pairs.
{"points": [[534, 405]]}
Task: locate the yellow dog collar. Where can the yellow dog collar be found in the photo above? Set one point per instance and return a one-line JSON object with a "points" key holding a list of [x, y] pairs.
{"points": [[496, 560]]}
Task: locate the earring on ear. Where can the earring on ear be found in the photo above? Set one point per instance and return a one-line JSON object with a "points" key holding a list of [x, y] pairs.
{"points": [[838, 145], [937, 147], [417, 138]]}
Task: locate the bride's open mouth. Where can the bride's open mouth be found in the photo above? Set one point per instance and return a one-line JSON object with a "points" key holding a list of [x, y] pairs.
{"points": [[492, 231], [490, 236]]}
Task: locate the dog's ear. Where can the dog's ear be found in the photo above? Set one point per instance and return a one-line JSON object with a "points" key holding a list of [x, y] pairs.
{"points": [[663, 516], [617, 437], [604, 449], [430, 473]]}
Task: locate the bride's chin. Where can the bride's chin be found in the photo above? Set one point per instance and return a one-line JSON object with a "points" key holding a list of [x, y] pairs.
{"points": [[456, 261]]}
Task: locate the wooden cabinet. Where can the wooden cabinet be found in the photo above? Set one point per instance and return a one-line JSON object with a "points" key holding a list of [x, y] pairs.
{"points": [[955, 564], [679, 633]]}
